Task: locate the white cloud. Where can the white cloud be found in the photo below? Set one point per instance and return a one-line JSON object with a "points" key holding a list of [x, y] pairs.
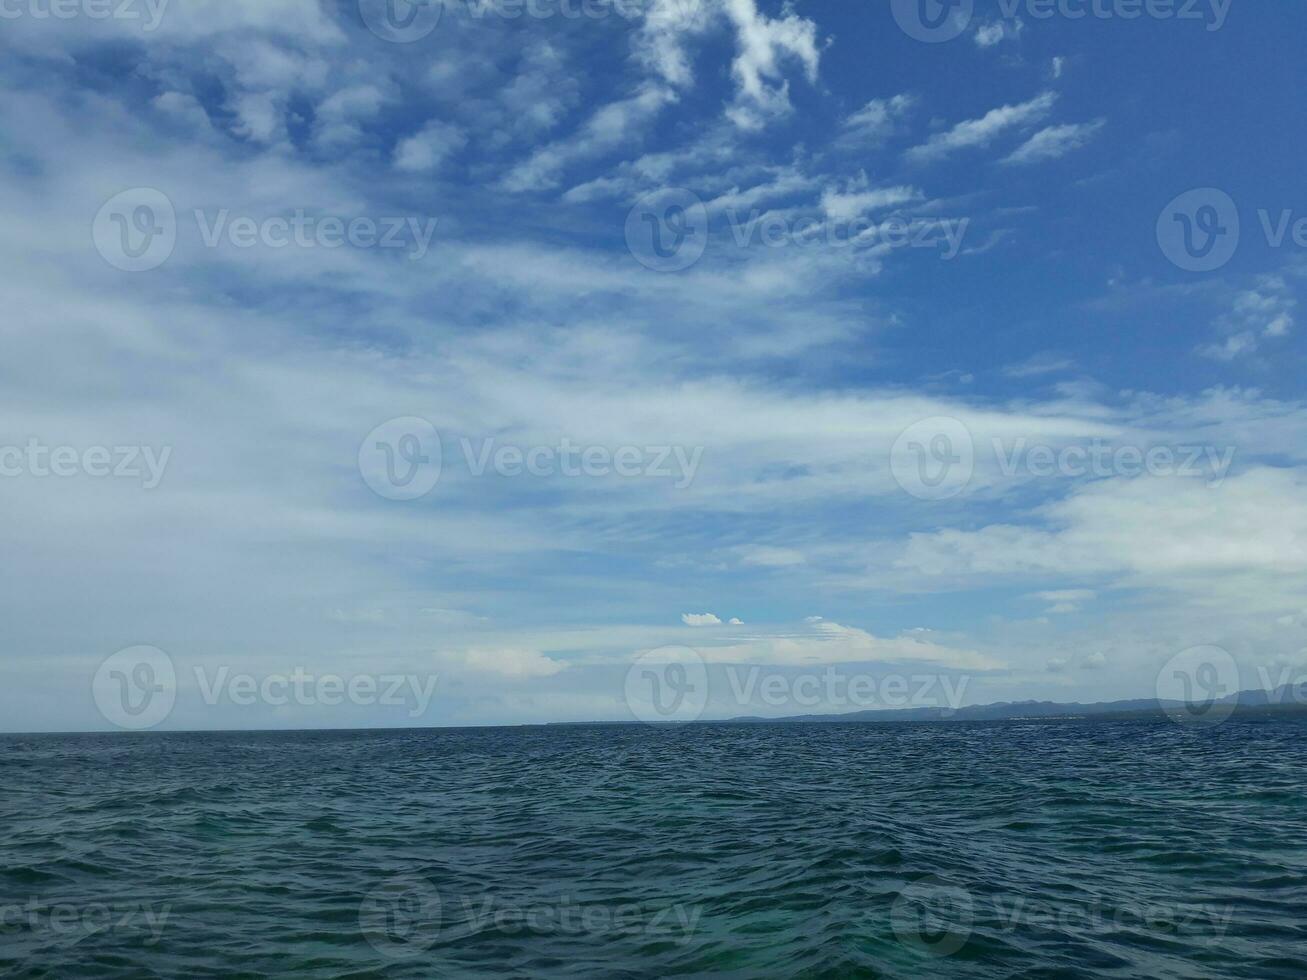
{"points": [[1054, 142], [611, 126], [700, 619], [660, 42], [429, 147], [1066, 600], [341, 116], [767, 556], [826, 642], [1176, 534], [1037, 364], [875, 121], [508, 663], [859, 199], [1263, 313], [764, 44], [996, 31], [183, 108], [983, 131]]}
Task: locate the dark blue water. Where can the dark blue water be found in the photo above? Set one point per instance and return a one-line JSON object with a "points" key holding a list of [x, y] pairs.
{"points": [[1067, 850]]}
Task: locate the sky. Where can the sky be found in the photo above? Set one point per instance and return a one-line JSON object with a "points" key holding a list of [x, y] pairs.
{"points": [[514, 357]]}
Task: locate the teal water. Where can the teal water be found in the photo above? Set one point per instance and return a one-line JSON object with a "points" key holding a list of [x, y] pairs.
{"points": [[1003, 850]]}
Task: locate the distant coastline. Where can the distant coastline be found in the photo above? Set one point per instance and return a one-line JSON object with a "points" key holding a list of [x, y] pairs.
{"points": [[1245, 704]]}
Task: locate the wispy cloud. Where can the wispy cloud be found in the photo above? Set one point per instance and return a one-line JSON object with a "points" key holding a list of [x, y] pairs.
{"points": [[1055, 142], [981, 132], [875, 121], [1263, 313]]}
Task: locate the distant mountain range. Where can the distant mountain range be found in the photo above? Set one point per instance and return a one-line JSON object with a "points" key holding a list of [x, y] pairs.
{"points": [[1283, 700]]}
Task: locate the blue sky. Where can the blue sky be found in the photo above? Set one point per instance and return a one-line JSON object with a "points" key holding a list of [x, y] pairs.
{"points": [[773, 399]]}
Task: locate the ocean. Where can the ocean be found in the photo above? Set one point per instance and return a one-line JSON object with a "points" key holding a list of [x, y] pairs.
{"points": [[1117, 849]]}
